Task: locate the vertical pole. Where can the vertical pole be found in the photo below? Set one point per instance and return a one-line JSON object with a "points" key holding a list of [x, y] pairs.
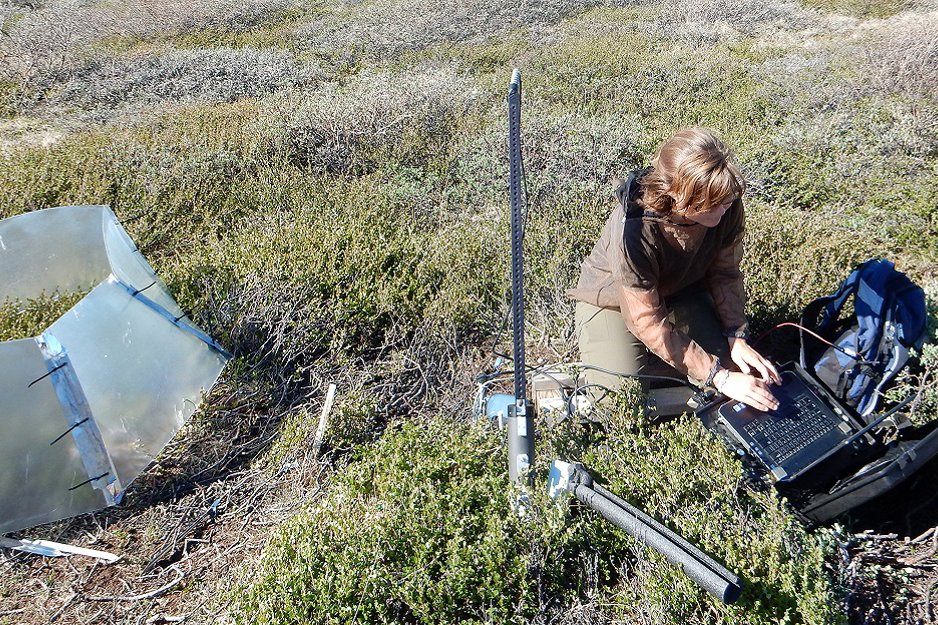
{"points": [[520, 422]]}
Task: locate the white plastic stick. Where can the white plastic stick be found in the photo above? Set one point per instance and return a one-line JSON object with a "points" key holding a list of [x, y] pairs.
{"points": [[55, 550]]}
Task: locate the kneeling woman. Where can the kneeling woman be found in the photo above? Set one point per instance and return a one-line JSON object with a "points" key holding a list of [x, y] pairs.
{"points": [[664, 277]]}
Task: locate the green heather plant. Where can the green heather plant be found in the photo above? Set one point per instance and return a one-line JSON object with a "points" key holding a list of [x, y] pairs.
{"points": [[420, 529], [20, 319]]}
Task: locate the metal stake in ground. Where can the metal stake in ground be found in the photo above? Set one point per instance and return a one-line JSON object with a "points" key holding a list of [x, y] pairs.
{"points": [[520, 423]]}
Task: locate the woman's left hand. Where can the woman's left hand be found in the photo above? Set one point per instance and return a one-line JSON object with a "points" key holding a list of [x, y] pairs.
{"points": [[747, 359]]}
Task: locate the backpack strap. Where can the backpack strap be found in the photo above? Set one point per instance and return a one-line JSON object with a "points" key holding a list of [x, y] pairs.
{"points": [[822, 314], [888, 310]]}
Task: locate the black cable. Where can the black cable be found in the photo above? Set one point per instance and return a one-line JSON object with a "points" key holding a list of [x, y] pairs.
{"points": [[583, 387], [789, 324], [634, 376], [641, 376], [498, 335], [138, 291], [63, 434], [39, 379], [128, 220], [89, 480], [859, 434]]}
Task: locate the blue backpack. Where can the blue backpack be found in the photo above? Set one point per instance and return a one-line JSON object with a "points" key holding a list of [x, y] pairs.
{"points": [[873, 341]]}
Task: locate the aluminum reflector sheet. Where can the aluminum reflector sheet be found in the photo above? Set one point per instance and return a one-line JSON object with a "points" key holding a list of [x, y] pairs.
{"points": [[57, 249], [36, 475], [88, 405], [142, 375], [132, 268]]}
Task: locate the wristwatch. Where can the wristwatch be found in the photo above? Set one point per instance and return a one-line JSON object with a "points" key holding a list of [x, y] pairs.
{"points": [[740, 333], [717, 365], [720, 378]]}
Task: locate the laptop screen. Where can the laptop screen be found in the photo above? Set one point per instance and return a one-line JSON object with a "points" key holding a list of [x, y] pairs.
{"points": [[803, 430]]}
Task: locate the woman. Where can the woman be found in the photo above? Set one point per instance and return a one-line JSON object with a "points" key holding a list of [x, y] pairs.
{"points": [[664, 277]]}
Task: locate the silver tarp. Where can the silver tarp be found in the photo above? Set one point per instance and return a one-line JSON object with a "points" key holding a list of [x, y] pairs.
{"points": [[88, 404]]}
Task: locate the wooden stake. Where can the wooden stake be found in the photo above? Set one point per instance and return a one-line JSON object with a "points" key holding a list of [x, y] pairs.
{"points": [[324, 419]]}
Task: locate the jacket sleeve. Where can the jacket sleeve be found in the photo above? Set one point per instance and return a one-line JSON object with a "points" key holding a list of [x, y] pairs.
{"points": [[644, 310], [724, 278], [647, 319]]}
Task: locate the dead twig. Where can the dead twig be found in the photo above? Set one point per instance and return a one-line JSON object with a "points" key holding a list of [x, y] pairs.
{"points": [[65, 605], [882, 601], [172, 545], [149, 595]]}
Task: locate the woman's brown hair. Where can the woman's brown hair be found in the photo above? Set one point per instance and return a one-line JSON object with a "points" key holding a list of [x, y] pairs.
{"points": [[696, 168]]}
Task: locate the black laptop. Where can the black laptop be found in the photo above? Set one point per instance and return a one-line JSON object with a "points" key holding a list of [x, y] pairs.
{"points": [[808, 427]]}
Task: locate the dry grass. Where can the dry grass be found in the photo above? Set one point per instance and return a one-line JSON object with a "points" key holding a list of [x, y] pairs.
{"points": [[374, 118], [177, 77], [47, 44], [380, 29]]}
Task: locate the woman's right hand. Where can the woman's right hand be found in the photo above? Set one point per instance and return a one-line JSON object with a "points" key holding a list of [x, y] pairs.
{"points": [[750, 390]]}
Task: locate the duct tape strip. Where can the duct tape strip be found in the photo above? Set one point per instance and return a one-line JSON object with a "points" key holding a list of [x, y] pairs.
{"points": [[202, 336], [94, 456]]}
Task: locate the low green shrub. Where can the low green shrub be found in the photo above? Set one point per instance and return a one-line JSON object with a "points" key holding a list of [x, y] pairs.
{"points": [[682, 474], [793, 257], [421, 529], [374, 120], [418, 530], [339, 265], [20, 319], [267, 27], [920, 377], [174, 186]]}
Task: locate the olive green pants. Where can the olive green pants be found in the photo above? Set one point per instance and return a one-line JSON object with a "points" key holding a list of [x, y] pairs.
{"points": [[606, 342]]}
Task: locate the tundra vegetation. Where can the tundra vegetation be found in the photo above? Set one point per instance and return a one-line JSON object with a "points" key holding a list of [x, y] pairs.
{"points": [[322, 184]]}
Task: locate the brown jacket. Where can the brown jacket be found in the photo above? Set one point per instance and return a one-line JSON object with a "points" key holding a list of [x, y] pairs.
{"points": [[642, 259]]}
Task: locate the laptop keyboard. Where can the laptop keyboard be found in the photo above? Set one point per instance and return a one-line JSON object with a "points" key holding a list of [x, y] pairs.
{"points": [[786, 434]]}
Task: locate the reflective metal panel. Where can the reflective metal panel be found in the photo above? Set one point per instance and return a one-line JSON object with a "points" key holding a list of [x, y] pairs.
{"points": [[142, 375], [35, 475], [131, 267], [52, 249]]}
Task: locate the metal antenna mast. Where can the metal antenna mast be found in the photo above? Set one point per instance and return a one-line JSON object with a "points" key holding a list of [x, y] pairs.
{"points": [[520, 422]]}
